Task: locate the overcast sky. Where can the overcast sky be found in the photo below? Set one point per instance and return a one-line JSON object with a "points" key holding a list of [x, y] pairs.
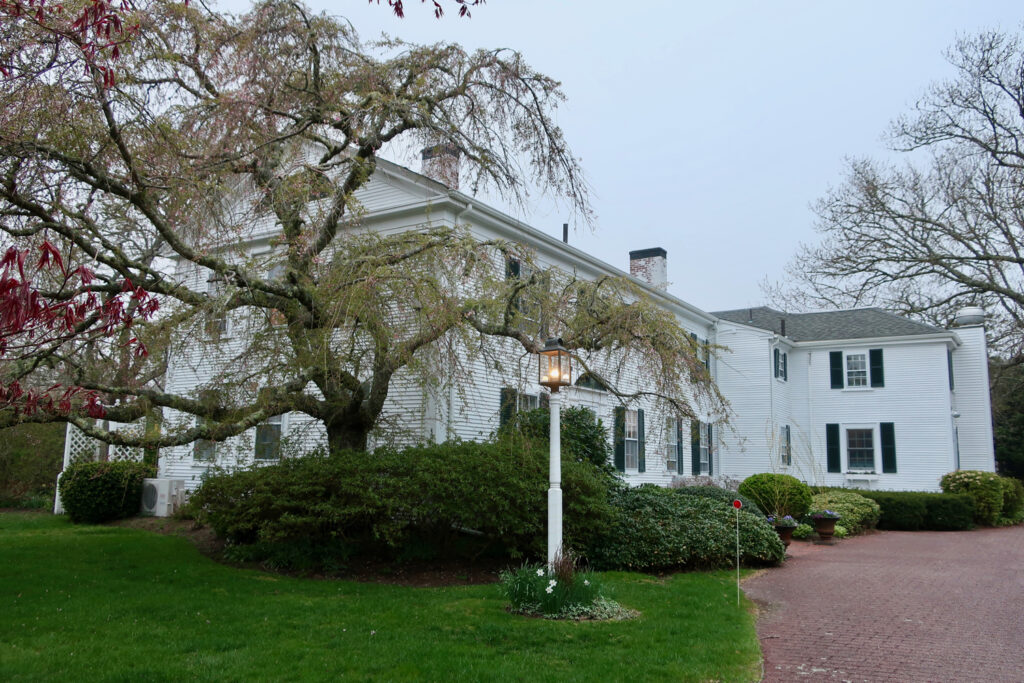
{"points": [[709, 129]]}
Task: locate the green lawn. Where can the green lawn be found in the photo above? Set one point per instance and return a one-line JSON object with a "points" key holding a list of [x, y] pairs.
{"points": [[112, 604]]}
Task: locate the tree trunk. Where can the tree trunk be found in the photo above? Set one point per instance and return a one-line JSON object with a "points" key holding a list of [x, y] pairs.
{"points": [[346, 436]]}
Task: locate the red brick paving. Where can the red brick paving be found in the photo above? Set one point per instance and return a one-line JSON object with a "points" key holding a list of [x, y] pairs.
{"points": [[896, 606]]}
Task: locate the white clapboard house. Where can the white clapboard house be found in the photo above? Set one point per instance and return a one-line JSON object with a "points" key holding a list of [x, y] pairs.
{"points": [[858, 398]]}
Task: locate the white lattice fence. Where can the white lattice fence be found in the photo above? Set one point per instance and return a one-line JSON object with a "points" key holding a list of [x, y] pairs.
{"points": [[78, 446]]}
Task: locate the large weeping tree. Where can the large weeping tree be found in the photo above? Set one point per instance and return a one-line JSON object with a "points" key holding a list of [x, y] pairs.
{"points": [[218, 129], [946, 229]]}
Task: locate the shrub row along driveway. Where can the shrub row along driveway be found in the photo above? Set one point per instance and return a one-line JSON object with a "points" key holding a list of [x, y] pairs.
{"points": [[896, 606]]}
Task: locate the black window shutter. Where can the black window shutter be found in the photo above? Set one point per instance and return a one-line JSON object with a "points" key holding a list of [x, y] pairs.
{"points": [[512, 269], [785, 366], [949, 368], [711, 453], [835, 364], [641, 455], [832, 448], [545, 400], [776, 361], [888, 433], [694, 447], [619, 437], [877, 369], [679, 446], [507, 406]]}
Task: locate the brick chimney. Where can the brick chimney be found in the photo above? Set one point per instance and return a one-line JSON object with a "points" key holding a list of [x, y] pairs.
{"points": [[441, 163], [651, 266]]}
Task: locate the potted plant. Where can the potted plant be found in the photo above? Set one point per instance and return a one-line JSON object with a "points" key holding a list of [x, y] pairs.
{"points": [[784, 527], [825, 524]]}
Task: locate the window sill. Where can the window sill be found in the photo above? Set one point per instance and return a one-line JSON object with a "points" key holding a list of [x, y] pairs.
{"points": [[861, 476]]}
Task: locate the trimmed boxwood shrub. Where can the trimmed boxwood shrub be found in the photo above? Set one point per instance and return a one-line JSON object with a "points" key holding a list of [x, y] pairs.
{"points": [[653, 528], [778, 494], [984, 487], [857, 513], [457, 499], [921, 511], [717, 493], [96, 492]]}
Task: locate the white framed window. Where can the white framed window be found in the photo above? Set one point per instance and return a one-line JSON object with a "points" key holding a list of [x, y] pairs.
{"points": [[781, 363], [705, 449], [530, 316], [204, 450], [860, 449], [632, 440], [268, 439], [527, 402], [216, 324], [785, 445], [856, 370], [672, 444]]}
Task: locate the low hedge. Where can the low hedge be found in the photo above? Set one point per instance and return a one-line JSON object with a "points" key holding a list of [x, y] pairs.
{"points": [[96, 492], [778, 494], [457, 499], [984, 487], [857, 513], [922, 511], [717, 493], [653, 528]]}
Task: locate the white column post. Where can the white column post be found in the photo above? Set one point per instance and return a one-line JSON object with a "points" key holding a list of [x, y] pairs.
{"points": [[555, 476]]}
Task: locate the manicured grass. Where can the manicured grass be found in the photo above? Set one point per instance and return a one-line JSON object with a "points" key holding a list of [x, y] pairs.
{"points": [[100, 603]]}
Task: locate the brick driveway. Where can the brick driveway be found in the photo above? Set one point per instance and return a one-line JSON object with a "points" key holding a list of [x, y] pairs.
{"points": [[896, 606]]}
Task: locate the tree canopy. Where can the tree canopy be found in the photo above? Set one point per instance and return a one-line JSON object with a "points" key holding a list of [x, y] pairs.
{"points": [[946, 229], [220, 127]]}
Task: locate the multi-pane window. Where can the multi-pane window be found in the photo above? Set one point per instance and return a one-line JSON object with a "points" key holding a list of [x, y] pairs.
{"points": [[860, 449], [856, 370], [528, 402], [785, 445], [632, 441], [216, 317], [204, 450], [705, 449], [268, 439], [672, 444], [529, 313]]}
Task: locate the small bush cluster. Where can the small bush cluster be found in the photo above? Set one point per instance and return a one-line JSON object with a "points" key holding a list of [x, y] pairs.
{"points": [[778, 494], [715, 493], [96, 492], [657, 529], [920, 511], [984, 487], [802, 531], [458, 499], [559, 593], [857, 512]]}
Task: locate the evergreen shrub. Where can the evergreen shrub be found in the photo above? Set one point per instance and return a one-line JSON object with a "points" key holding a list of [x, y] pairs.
{"points": [[457, 499], [96, 492], [653, 528], [984, 487], [717, 493], [1013, 498], [857, 512], [584, 436], [922, 511], [778, 494]]}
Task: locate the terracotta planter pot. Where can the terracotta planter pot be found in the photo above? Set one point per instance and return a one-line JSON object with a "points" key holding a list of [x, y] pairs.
{"points": [[785, 534], [825, 528]]}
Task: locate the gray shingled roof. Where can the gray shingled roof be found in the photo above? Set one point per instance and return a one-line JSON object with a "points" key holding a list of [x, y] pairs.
{"points": [[858, 323]]}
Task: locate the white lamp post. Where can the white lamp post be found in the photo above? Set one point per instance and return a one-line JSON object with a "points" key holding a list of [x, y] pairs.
{"points": [[555, 371]]}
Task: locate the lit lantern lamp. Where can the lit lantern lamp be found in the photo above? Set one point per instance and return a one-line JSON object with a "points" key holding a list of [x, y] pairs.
{"points": [[555, 371], [555, 365]]}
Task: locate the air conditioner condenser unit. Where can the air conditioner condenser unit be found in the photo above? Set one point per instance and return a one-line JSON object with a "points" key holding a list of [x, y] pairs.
{"points": [[162, 497]]}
